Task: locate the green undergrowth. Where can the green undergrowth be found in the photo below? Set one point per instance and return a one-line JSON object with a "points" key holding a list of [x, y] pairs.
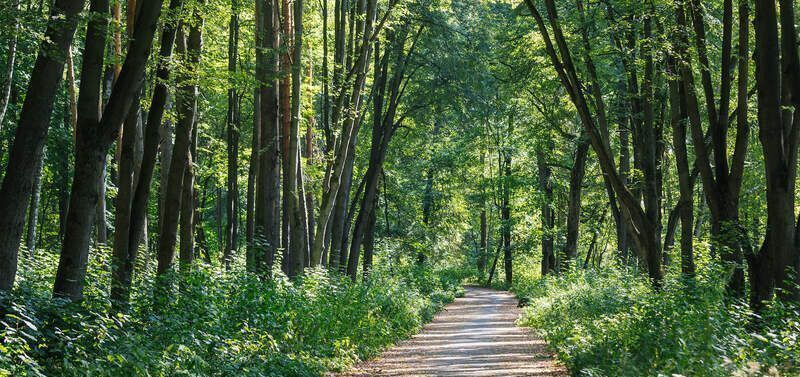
{"points": [[611, 323], [217, 323]]}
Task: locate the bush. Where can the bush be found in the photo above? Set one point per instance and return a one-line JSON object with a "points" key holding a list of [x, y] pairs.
{"points": [[611, 323], [228, 324]]}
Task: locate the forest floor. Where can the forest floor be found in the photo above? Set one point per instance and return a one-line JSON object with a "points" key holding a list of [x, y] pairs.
{"points": [[474, 336]]}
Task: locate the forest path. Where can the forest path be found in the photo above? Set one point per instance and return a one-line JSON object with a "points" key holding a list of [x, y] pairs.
{"points": [[473, 336]]}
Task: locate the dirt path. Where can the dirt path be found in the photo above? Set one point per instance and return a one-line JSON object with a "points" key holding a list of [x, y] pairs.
{"points": [[473, 336]]}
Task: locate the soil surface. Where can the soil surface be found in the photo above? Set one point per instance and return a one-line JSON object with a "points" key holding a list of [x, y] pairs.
{"points": [[473, 336]]}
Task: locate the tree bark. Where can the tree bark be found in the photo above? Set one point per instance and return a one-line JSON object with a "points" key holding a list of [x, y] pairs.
{"points": [[126, 253], [678, 119], [547, 216], [778, 92], [298, 252], [574, 204], [186, 102], [349, 125], [232, 226], [267, 221], [29, 139], [91, 154], [5, 92], [33, 210], [251, 182], [506, 219]]}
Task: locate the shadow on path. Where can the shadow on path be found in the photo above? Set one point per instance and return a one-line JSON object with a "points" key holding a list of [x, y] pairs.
{"points": [[473, 336]]}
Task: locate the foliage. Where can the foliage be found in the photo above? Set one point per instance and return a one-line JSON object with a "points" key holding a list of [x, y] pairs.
{"points": [[230, 324], [610, 322]]}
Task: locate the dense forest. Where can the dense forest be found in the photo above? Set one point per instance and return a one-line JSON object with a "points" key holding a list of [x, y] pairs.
{"points": [[286, 187]]}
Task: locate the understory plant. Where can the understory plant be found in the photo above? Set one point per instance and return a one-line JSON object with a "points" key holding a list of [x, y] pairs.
{"points": [[215, 322], [610, 322]]}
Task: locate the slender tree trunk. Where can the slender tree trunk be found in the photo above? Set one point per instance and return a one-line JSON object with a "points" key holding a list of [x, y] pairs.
{"points": [[285, 116], [101, 223], [33, 210], [547, 217], [350, 129], [186, 255], [232, 226], [5, 92], [186, 102], [251, 183], [506, 219], [678, 119], [369, 238], [574, 203]]}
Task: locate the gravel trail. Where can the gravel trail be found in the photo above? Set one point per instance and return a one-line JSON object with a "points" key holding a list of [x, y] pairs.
{"points": [[473, 336]]}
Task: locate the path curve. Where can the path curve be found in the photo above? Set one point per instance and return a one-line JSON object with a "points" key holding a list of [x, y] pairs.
{"points": [[473, 336]]}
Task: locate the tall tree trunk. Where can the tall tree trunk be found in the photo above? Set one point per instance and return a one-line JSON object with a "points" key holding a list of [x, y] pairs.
{"points": [[232, 226], [252, 171], [186, 254], [267, 221], [69, 280], [349, 124], [186, 102], [91, 154], [155, 134], [284, 112], [506, 219], [31, 131], [778, 90], [678, 118], [297, 228]]}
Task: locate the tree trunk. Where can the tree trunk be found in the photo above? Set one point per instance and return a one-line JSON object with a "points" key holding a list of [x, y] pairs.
{"points": [[267, 221], [547, 217], [252, 171], [506, 219], [33, 210], [186, 102], [155, 134], [91, 154], [297, 228], [350, 124], [232, 226], [778, 90], [5, 92], [574, 205], [186, 255], [31, 131], [69, 279], [678, 118]]}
